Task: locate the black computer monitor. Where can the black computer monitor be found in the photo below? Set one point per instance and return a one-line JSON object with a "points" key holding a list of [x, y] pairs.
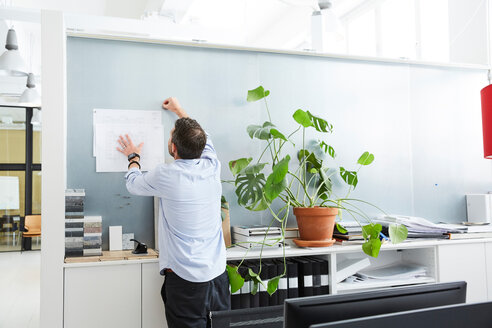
{"points": [[475, 315], [303, 312]]}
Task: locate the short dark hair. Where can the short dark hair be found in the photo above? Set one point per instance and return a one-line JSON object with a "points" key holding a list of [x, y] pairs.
{"points": [[189, 138]]}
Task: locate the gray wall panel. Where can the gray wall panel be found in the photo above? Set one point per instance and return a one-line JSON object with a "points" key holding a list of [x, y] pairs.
{"points": [[424, 132]]}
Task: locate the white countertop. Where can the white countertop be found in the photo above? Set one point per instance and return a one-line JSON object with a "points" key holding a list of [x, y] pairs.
{"points": [[238, 253]]}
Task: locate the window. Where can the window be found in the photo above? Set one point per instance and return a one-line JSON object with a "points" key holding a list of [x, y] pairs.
{"points": [[20, 174]]}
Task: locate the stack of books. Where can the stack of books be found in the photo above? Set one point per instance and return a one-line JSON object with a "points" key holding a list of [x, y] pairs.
{"points": [[305, 276], [254, 236], [473, 232], [290, 234], [354, 233]]}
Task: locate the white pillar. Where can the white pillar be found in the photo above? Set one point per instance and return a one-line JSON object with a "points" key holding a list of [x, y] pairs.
{"points": [[53, 59]]}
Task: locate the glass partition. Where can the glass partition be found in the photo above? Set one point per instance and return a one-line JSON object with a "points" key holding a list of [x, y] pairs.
{"points": [[20, 182]]}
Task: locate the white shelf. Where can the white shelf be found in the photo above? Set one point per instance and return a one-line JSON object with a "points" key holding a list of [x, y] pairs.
{"points": [[238, 253], [371, 284]]}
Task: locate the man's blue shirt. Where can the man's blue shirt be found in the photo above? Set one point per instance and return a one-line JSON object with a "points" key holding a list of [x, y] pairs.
{"points": [[191, 242]]}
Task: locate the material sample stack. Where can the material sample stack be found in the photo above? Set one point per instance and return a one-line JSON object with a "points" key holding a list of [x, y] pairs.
{"points": [[83, 235], [74, 222], [92, 236]]}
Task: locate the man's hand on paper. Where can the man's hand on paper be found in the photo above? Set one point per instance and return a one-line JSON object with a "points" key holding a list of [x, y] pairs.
{"points": [[127, 146], [173, 105]]}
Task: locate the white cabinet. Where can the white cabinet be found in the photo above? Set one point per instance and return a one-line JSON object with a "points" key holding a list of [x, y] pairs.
{"points": [[128, 293], [103, 296], [465, 261], [153, 315]]}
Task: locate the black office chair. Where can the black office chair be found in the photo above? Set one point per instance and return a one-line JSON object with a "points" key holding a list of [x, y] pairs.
{"points": [[264, 317]]}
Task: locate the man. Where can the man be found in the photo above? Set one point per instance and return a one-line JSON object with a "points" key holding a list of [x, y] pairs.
{"points": [[192, 252]]}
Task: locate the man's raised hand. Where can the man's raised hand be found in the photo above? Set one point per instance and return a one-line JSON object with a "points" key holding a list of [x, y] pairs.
{"points": [[173, 105]]}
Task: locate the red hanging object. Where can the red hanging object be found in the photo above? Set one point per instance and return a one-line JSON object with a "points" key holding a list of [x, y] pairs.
{"points": [[486, 94]]}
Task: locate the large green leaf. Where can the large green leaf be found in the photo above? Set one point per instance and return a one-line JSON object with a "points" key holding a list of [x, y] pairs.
{"points": [[306, 119], [328, 149], [238, 165], [257, 94], [277, 134], [249, 190], [255, 278], [340, 228], [398, 233], [273, 285], [320, 124], [262, 205], [350, 177], [372, 247], [253, 168], [310, 159], [276, 181], [314, 146], [371, 231], [235, 279], [260, 131], [302, 118], [325, 190], [366, 158]]}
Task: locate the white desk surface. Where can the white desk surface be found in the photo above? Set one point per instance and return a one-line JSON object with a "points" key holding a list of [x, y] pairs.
{"points": [[238, 253]]}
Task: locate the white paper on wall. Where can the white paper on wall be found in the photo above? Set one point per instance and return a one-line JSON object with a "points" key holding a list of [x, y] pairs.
{"points": [[141, 125], [123, 116], [109, 159], [9, 193]]}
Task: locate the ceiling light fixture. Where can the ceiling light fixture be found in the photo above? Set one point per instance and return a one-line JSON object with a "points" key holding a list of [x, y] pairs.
{"points": [[30, 97], [11, 62]]}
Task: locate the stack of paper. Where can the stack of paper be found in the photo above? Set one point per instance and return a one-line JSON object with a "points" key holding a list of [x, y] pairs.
{"points": [[399, 271], [420, 227], [354, 231], [141, 125]]}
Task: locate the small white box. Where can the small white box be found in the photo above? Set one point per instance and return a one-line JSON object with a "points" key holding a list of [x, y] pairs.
{"points": [[115, 238], [478, 208]]}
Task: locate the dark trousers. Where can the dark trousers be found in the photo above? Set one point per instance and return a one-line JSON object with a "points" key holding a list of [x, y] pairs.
{"points": [[188, 304]]}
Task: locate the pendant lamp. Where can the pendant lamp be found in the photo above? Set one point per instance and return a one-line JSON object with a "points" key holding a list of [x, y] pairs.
{"points": [[11, 62], [30, 97], [486, 95]]}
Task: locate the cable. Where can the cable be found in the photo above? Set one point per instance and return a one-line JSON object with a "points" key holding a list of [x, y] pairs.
{"points": [[477, 10]]}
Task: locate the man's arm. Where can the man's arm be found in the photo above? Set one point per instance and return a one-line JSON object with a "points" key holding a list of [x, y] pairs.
{"points": [[141, 184], [137, 183], [174, 106]]}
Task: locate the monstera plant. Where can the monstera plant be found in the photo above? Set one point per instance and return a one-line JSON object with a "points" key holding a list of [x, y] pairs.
{"points": [[303, 183]]}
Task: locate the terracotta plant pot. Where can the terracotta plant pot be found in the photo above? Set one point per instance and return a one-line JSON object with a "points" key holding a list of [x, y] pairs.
{"points": [[316, 223]]}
